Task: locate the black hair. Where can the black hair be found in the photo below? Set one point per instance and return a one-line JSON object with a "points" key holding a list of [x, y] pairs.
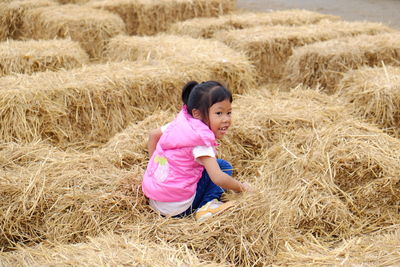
{"points": [[202, 96]]}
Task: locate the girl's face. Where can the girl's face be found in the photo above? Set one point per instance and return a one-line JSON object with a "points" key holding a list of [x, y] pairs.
{"points": [[220, 118]]}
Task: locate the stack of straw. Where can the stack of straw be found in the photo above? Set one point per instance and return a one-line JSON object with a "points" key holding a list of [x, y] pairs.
{"points": [[249, 234], [129, 147], [323, 64], [89, 104], [374, 94], [12, 12], [48, 194], [269, 47], [90, 27], [207, 27], [72, 1], [340, 175], [34, 56], [261, 119], [150, 17], [226, 65], [381, 249], [107, 250]]}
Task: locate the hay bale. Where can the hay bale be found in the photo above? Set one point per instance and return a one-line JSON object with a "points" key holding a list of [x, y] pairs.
{"points": [[109, 250], [249, 234], [207, 27], [150, 17], [374, 94], [34, 56], [129, 147], [12, 12], [367, 250], [88, 105], [224, 63], [261, 119], [326, 164], [269, 47], [65, 197], [347, 162], [92, 28], [72, 1], [323, 64]]}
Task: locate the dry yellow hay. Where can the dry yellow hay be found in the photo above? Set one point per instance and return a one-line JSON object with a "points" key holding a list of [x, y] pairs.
{"points": [[107, 250], [34, 56], [343, 178], [374, 94], [72, 1], [262, 118], [129, 147], [12, 12], [206, 27], [323, 64], [89, 104], [269, 47], [59, 196], [367, 250], [225, 64], [68, 196], [144, 17], [250, 234], [90, 27], [316, 172], [340, 175]]}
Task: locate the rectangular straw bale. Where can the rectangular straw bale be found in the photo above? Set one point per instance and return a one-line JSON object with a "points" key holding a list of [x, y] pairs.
{"points": [[373, 93], [323, 64], [269, 47], [250, 232], [261, 119], [342, 177], [129, 147], [90, 27], [207, 27], [64, 197], [72, 1], [225, 64], [89, 104], [367, 250], [144, 17], [12, 12], [115, 250], [316, 156], [34, 56]]}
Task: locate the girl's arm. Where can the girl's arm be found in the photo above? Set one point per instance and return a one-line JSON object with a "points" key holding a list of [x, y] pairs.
{"points": [[154, 136], [219, 177]]}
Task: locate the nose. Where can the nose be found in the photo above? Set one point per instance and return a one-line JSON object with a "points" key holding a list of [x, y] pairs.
{"points": [[226, 118]]}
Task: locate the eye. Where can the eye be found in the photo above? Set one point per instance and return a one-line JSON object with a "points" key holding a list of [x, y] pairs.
{"points": [[229, 113], [219, 113]]}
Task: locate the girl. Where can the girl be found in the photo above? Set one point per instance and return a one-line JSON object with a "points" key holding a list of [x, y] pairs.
{"points": [[183, 175]]}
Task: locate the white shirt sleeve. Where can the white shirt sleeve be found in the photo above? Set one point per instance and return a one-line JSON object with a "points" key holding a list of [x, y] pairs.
{"points": [[201, 151]]}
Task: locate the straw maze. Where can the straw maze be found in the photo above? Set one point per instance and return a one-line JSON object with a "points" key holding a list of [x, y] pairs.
{"points": [[316, 119]]}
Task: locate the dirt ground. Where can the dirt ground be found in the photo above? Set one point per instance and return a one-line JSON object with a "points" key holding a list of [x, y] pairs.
{"points": [[385, 11]]}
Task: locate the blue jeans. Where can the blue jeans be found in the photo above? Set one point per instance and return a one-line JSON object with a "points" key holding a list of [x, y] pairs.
{"points": [[207, 190]]}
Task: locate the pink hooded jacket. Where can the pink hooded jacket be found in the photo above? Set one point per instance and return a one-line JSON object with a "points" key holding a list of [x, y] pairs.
{"points": [[173, 173]]}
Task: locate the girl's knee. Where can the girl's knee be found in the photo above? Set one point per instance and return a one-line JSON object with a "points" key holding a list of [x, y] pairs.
{"points": [[225, 166]]}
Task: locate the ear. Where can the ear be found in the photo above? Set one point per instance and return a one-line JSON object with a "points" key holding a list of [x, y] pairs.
{"points": [[196, 114]]}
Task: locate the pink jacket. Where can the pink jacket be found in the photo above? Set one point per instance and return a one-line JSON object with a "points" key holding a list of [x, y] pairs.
{"points": [[173, 173]]}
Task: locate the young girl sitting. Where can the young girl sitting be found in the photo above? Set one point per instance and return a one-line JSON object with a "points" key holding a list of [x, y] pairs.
{"points": [[183, 175]]}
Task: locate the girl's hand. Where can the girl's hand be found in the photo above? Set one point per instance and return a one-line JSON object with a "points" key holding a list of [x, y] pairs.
{"points": [[247, 187]]}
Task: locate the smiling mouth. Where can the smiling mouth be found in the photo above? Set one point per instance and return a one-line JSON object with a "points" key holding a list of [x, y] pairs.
{"points": [[223, 129]]}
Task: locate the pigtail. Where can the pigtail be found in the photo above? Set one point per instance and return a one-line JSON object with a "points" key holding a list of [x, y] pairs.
{"points": [[187, 89]]}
